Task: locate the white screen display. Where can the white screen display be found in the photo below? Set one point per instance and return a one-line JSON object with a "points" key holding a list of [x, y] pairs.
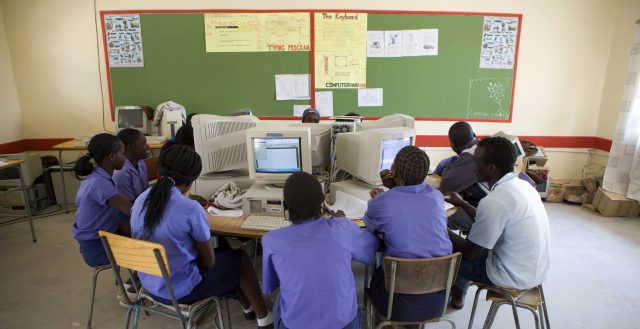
{"points": [[277, 155], [389, 150]]}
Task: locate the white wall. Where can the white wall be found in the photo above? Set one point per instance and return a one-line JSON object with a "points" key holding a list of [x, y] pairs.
{"points": [[566, 60], [11, 117]]}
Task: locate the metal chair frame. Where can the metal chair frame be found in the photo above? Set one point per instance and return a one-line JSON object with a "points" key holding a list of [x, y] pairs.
{"points": [[511, 297], [186, 314], [92, 296]]}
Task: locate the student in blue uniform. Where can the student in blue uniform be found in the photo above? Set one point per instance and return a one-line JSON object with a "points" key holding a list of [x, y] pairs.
{"points": [[310, 261], [98, 201], [132, 179], [411, 219], [164, 214]]}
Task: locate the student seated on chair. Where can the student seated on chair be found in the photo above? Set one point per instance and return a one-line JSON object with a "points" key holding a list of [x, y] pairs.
{"points": [[164, 214], [458, 174], [310, 261], [411, 219], [98, 202], [132, 179], [508, 245]]}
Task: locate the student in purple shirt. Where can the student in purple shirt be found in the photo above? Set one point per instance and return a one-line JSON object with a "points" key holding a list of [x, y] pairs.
{"points": [[310, 261], [411, 219], [164, 214], [132, 179], [97, 201]]}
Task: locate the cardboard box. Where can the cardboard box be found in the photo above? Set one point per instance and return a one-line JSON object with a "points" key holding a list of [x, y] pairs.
{"points": [[539, 159], [611, 204], [574, 193]]}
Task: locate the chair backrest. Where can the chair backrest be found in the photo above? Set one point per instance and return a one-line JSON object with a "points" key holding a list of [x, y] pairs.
{"points": [[421, 275], [135, 254]]}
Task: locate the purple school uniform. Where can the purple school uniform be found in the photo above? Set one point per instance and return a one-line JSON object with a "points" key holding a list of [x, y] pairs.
{"points": [[93, 213], [183, 223], [412, 220], [131, 181], [311, 264]]}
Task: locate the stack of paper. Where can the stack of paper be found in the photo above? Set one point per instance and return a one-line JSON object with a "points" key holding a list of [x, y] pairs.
{"points": [[350, 205]]}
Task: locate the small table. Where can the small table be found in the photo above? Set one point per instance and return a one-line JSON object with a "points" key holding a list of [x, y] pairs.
{"points": [[75, 145], [22, 187]]}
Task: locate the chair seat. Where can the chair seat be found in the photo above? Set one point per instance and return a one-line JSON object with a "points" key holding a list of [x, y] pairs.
{"points": [[531, 297], [185, 309]]}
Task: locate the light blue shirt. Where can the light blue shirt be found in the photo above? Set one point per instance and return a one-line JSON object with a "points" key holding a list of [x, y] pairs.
{"points": [[182, 224], [93, 213], [412, 220], [512, 223], [311, 264], [131, 181]]}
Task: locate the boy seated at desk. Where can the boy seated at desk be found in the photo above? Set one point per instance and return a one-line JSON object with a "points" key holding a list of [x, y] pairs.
{"points": [[310, 261], [411, 219]]}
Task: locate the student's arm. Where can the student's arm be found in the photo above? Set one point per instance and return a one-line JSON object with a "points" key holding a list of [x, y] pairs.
{"points": [[459, 175], [468, 249], [270, 279], [456, 200], [372, 217], [365, 245], [124, 185], [444, 164], [124, 207], [492, 217], [206, 257]]}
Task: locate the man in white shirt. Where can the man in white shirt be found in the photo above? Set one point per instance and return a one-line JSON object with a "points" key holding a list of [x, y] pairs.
{"points": [[508, 245]]}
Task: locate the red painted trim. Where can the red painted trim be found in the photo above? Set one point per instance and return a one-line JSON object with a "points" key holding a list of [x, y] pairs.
{"points": [[197, 11], [106, 65], [603, 144]]}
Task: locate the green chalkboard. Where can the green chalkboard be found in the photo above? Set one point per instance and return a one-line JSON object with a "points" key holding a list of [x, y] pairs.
{"points": [[450, 85]]}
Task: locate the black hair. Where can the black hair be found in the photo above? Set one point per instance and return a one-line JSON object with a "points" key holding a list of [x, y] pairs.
{"points": [[100, 146], [411, 165], [499, 152], [184, 136], [178, 165], [188, 122], [128, 136], [303, 197], [352, 114], [461, 133]]}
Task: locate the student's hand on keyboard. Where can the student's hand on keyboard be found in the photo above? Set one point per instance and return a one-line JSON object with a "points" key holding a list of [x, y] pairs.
{"points": [[373, 193], [337, 213]]}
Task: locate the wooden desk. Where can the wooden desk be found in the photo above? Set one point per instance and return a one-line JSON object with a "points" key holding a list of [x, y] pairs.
{"points": [[22, 187], [75, 145], [231, 226]]}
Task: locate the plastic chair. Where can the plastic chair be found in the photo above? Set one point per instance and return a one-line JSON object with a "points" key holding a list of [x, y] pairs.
{"points": [[92, 297], [151, 258], [529, 299], [416, 276]]}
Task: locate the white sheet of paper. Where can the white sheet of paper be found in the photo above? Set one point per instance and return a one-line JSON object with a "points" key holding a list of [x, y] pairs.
{"points": [[430, 42], [393, 43], [375, 44], [352, 206], [227, 213], [292, 86], [298, 109], [369, 97], [447, 206], [324, 103], [411, 42]]}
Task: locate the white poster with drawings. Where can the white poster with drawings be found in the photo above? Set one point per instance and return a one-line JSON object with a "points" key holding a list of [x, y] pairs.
{"points": [[369, 97], [430, 42], [124, 40], [498, 48], [393, 43], [324, 103], [375, 44], [411, 43]]}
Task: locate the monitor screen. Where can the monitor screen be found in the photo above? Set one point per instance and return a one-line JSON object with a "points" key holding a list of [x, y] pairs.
{"points": [[131, 118], [518, 149], [277, 155], [391, 147]]}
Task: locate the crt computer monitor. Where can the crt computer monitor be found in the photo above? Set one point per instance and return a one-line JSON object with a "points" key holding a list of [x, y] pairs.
{"points": [[389, 121], [274, 153], [515, 141], [364, 154], [131, 117], [221, 141], [320, 144]]}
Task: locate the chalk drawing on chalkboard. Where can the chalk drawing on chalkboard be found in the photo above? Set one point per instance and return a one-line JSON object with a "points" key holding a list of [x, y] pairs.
{"points": [[489, 98]]}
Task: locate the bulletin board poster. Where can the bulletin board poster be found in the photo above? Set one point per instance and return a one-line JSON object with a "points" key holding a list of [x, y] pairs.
{"points": [[499, 37], [340, 50], [257, 32], [124, 40]]}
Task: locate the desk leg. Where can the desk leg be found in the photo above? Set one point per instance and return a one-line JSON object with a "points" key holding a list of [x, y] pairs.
{"points": [[27, 203], [64, 188]]}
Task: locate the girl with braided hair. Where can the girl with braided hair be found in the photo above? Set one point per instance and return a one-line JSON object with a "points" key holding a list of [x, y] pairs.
{"points": [[411, 219], [97, 201], [164, 214]]}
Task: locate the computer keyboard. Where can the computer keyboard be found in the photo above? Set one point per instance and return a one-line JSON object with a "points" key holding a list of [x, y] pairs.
{"points": [[264, 223], [156, 139]]}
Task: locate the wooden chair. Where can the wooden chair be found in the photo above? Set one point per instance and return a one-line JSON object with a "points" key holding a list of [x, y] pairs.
{"points": [[415, 277], [529, 299], [151, 258]]}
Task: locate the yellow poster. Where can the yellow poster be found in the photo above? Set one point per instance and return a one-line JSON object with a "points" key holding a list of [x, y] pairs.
{"points": [[251, 32], [340, 50]]}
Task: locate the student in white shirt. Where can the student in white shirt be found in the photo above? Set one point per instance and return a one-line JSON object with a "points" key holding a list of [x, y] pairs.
{"points": [[508, 245]]}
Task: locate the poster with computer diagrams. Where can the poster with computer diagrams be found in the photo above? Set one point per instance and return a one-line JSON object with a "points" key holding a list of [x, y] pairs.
{"points": [[499, 37], [340, 50], [124, 40]]}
